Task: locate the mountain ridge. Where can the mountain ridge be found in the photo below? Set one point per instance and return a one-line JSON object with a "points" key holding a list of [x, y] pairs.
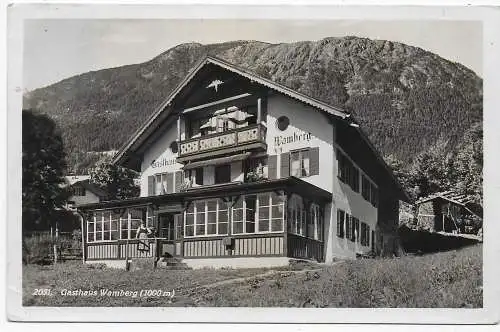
{"points": [[404, 97]]}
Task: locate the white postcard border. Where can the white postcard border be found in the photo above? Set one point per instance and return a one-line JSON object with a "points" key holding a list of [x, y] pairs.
{"points": [[491, 50]]}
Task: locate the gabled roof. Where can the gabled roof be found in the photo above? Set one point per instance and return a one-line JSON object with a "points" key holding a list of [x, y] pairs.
{"points": [[92, 188], [449, 195], [163, 111], [456, 198], [72, 179], [237, 70]]}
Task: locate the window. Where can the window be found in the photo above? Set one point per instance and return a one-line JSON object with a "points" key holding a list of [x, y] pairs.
{"points": [[277, 209], [255, 169], [299, 163], [347, 172], [261, 213], [224, 124], [222, 120], [374, 196], [195, 176], [250, 210], [223, 173], [297, 215], [199, 220], [244, 215], [117, 224], [340, 223], [206, 217], [316, 222], [350, 229], [189, 221], [174, 147], [369, 191], [179, 225], [355, 229], [365, 188], [282, 123], [78, 191], [365, 234], [163, 183], [211, 217], [270, 212]]}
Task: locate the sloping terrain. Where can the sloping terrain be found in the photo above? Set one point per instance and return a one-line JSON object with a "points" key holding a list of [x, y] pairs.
{"points": [[405, 98]]}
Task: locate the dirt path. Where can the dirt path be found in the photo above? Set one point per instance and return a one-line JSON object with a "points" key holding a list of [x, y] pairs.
{"points": [[283, 273]]}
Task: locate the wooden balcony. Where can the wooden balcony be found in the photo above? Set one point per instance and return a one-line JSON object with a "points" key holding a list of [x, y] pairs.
{"points": [[250, 137]]}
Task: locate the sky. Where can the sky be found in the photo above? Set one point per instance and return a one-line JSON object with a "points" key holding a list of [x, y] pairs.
{"points": [[55, 49]]}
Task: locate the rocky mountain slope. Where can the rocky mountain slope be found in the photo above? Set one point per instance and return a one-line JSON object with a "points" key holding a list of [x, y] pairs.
{"points": [[405, 98]]}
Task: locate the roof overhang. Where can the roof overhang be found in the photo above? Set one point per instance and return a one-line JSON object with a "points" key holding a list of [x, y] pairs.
{"points": [[129, 150], [444, 196], [290, 184], [164, 110], [217, 161]]}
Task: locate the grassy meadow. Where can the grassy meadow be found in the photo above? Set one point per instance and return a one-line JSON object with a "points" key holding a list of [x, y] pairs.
{"points": [[448, 279]]}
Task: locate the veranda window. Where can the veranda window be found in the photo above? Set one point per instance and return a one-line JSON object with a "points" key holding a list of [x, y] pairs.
{"points": [[315, 223], [297, 215], [116, 224], [244, 215], [261, 213], [270, 212], [206, 217]]}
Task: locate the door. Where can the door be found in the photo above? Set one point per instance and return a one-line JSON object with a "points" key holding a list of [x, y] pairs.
{"points": [[166, 226]]}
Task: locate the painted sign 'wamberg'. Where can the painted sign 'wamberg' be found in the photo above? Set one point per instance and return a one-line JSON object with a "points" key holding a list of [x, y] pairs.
{"points": [[296, 137]]}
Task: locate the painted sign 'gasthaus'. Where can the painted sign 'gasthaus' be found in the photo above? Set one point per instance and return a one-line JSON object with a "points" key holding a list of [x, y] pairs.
{"points": [[237, 170]]}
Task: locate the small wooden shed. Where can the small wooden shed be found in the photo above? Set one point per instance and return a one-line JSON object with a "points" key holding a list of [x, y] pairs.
{"points": [[449, 212]]}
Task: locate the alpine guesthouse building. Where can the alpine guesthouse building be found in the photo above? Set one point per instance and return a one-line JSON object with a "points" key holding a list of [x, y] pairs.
{"points": [[239, 171]]}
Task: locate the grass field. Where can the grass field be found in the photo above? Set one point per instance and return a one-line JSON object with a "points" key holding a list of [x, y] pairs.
{"points": [[448, 279]]}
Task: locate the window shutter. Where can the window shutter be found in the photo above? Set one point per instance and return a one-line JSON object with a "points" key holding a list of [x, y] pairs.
{"points": [[179, 179], [151, 185], [285, 165], [314, 161], [170, 182], [272, 164]]}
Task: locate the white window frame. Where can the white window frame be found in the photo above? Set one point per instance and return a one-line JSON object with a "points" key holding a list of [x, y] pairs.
{"points": [[195, 214], [269, 206], [301, 163], [130, 233]]}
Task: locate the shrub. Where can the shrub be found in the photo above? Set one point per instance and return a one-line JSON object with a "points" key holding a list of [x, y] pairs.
{"points": [[38, 249]]}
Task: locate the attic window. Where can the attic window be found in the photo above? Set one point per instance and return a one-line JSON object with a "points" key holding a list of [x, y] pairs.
{"points": [[174, 147], [282, 122]]}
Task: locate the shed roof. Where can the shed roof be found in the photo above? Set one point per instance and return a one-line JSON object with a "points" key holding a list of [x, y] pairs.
{"points": [[456, 198]]}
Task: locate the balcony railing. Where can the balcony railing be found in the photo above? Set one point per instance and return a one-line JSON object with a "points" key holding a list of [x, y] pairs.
{"points": [[227, 139]]}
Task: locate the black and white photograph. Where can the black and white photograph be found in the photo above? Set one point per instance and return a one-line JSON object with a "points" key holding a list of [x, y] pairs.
{"points": [[305, 162]]}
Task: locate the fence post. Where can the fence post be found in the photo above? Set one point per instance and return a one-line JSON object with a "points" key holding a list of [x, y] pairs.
{"points": [[127, 264], [55, 253]]}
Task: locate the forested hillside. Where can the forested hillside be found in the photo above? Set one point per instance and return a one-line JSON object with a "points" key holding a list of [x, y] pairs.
{"points": [[405, 98]]}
